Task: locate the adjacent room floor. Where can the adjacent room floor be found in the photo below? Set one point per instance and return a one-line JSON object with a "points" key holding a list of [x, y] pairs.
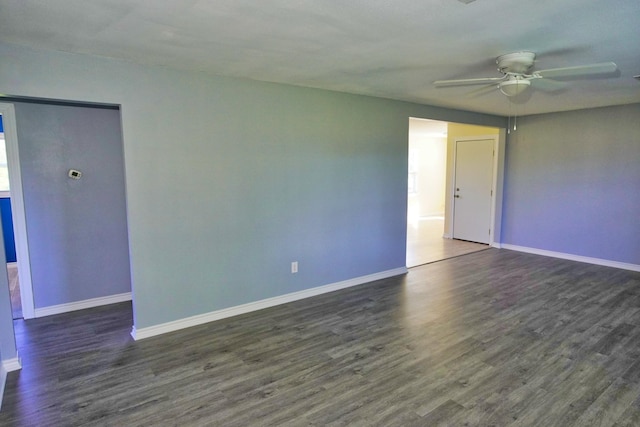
{"points": [[425, 243], [491, 338]]}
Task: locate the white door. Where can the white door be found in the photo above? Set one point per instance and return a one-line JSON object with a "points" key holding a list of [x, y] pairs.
{"points": [[472, 190]]}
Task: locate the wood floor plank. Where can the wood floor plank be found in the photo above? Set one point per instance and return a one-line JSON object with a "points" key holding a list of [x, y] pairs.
{"points": [[490, 338]]}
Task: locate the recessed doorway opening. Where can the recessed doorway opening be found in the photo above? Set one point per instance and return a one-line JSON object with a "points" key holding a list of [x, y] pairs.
{"points": [[431, 192], [7, 229]]}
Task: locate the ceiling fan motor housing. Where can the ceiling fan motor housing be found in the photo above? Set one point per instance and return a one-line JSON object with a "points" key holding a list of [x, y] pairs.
{"points": [[518, 63]]}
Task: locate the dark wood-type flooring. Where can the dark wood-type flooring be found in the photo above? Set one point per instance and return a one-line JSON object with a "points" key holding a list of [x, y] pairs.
{"points": [[494, 338]]}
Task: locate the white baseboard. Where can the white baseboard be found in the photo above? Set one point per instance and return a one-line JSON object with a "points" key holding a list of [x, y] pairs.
{"points": [[10, 365], [188, 322], [81, 305], [572, 257], [7, 366]]}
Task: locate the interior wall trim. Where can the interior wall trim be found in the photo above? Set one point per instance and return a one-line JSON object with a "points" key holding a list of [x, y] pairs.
{"points": [[17, 209], [572, 257], [81, 305], [10, 365], [200, 319], [7, 366]]}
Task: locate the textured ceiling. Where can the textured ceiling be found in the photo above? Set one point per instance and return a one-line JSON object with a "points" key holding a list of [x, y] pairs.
{"points": [[393, 49]]}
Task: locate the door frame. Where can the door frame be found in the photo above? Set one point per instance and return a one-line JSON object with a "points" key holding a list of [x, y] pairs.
{"points": [[495, 225], [17, 209], [483, 164]]}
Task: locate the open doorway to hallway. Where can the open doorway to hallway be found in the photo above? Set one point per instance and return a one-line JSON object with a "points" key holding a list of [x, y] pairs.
{"points": [[65, 212], [7, 229], [430, 180]]}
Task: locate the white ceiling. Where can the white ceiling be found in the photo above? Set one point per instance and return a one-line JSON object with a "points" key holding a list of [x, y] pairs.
{"points": [[387, 48]]}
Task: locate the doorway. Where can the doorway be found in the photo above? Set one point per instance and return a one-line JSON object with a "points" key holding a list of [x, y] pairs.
{"points": [[68, 210], [7, 230], [13, 218], [430, 199]]}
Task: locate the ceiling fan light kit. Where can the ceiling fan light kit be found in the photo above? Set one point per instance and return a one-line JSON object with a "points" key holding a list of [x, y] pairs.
{"points": [[514, 86]]}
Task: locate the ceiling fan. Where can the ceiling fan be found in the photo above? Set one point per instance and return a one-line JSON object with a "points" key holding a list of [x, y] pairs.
{"points": [[517, 75]]}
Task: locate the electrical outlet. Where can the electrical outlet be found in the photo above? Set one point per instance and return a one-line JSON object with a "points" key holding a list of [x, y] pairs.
{"points": [[294, 267]]}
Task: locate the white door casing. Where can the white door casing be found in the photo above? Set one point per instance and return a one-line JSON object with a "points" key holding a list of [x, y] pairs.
{"points": [[473, 189], [17, 210]]}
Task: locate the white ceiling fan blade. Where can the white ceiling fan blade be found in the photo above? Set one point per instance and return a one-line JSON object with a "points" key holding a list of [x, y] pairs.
{"points": [[580, 70], [466, 82], [483, 90], [548, 85]]}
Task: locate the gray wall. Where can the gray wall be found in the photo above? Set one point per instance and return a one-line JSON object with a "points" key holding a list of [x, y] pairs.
{"points": [[228, 181], [573, 183], [77, 229]]}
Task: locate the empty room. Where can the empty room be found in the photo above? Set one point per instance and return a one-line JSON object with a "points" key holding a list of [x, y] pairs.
{"points": [[208, 209]]}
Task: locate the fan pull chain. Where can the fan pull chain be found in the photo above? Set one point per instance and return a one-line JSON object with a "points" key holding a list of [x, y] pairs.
{"points": [[510, 111]]}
